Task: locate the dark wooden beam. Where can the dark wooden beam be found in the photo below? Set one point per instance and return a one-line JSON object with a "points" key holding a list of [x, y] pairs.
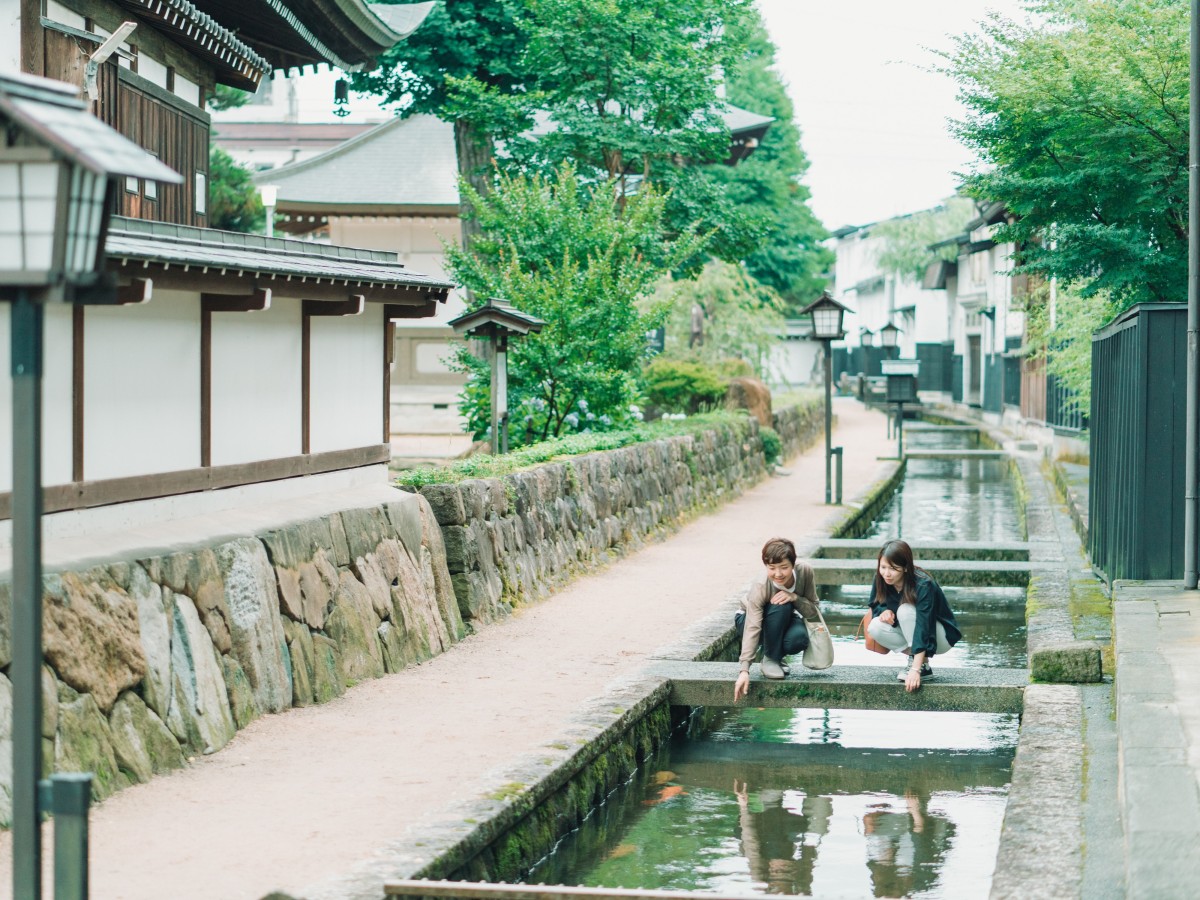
{"points": [[257, 300], [138, 291], [410, 311], [88, 494], [77, 376], [352, 306], [305, 383], [206, 315], [33, 38], [389, 357]]}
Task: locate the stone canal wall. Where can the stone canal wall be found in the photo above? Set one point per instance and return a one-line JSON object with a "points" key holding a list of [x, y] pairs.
{"points": [[515, 539], [154, 660]]}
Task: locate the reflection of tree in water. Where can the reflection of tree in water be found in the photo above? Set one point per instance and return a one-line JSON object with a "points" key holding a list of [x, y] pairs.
{"points": [[905, 847], [779, 841]]}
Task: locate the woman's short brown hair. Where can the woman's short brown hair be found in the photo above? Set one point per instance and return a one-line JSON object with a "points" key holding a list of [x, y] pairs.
{"points": [[776, 550]]}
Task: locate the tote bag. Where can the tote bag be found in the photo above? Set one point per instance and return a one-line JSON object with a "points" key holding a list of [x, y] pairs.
{"points": [[819, 653]]}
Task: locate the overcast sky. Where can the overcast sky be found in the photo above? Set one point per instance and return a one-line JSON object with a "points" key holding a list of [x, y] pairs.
{"points": [[872, 116]]}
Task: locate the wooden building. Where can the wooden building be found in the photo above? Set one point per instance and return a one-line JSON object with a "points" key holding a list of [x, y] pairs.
{"points": [[232, 364]]}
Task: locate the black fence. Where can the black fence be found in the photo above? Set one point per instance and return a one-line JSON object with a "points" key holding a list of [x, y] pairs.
{"points": [[1063, 409], [937, 366], [1136, 477]]}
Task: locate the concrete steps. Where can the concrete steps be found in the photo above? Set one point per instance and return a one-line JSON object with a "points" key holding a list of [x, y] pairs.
{"points": [[846, 687], [847, 548], [948, 572]]}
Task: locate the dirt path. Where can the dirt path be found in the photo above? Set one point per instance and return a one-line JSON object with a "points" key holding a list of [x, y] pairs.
{"points": [[299, 797]]}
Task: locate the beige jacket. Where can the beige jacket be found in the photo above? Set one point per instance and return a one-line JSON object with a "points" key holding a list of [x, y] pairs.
{"points": [[804, 601]]}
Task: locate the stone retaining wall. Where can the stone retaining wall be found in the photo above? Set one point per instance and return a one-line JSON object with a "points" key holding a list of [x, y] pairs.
{"points": [[515, 539], [151, 661]]}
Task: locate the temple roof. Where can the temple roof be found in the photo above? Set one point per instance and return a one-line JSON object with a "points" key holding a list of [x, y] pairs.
{"points": [[349, 34], [404, 166]]}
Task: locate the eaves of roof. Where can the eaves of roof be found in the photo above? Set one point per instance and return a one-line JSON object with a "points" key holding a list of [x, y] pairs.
{"points": [[237, 62], [207, 249]]}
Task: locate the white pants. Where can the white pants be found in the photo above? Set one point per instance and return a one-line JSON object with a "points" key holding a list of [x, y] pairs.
{"points": [[899, 636]]}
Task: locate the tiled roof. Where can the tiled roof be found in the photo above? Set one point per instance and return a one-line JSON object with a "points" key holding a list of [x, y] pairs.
{"points": [[208, 249], [401, 165], [182, 19]]}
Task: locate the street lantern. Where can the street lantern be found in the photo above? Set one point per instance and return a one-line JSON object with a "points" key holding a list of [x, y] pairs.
{"points": [[58, 171], [901, 388], [496, 321], [889, 335], [866, 337], [827, 316]]}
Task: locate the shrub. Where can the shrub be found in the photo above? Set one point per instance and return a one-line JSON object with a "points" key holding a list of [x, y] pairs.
{"points": [[683, 386], [771, 444]]}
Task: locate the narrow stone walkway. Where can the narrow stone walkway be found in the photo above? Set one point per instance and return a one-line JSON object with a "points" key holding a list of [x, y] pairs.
{"points": [[299, 798]]}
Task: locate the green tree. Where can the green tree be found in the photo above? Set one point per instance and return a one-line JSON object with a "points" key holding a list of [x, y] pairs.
{"points": [[627, 90], [742, 318], [1079, 118], [907, 240], [1061, 333], [476, 40], [791, 257], [571, 254], [233, 201]]}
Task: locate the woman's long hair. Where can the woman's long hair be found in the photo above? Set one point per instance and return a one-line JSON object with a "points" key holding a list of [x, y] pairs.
{"points": [[900, 555]]}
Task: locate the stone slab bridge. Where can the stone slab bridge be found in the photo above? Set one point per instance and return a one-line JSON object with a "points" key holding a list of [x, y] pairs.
{"points": [[985, 690]]}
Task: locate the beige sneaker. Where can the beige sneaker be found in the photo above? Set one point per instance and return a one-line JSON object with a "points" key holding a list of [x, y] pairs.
{"points": [[771, 668]]}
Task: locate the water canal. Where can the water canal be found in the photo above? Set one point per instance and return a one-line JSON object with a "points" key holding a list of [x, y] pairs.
{"points": [[836, 803]]}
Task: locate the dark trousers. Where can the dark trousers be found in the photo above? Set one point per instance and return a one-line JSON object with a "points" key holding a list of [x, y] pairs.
{"points": [[783, 631]]}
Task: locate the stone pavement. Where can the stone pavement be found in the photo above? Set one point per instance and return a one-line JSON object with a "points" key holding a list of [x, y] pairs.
{"points": [[1157, 636], [300, 798]]}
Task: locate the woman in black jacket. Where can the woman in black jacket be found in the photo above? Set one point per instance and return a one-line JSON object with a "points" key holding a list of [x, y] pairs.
{"points": [[910, 613]]}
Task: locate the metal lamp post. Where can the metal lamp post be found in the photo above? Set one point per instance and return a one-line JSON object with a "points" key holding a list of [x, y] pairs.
{"points": [[58, 166], [496, 321], [827, 315]]}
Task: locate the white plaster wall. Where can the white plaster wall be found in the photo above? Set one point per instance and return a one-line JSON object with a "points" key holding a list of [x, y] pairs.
{"points": [[346, 396], [142, 387], [256, 390], [417, 240], [56, 396], [10, 35]]}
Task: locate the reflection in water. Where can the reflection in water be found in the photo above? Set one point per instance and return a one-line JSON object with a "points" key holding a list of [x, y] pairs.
{"points": [[757, 816]]}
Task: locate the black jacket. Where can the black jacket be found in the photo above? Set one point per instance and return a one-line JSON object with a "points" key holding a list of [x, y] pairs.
{"points": [[932, 607]]}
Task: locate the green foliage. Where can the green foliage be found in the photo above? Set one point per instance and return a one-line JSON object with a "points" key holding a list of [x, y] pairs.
{"points": [[742, 319], [1080, 124], [566, 253], [906, 240], [1065, 339], [683, 386], [233, 201], [488, 466], [772, 445], [225, 97], [768, 186]]}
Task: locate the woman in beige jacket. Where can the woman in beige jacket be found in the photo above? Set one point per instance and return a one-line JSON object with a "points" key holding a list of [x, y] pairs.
{"points": [[773, 614]]}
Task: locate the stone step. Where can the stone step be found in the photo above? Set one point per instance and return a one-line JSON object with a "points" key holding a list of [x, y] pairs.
{"points": [[847, 548], [988, 690], [939, 429], [947, 572], [834, 769], [924, 453]]}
